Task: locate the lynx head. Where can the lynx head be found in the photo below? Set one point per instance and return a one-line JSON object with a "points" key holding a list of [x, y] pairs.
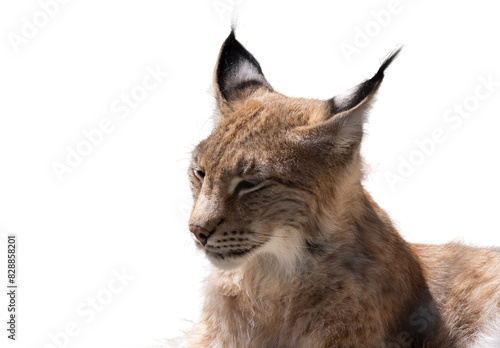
{"points": [[275, 175]]}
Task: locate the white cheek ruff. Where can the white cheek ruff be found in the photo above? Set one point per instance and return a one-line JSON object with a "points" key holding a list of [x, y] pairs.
{"points": [[286, 245]]}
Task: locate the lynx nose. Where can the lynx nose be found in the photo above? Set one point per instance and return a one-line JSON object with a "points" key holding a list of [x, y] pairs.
{"points": [[200, 233]]}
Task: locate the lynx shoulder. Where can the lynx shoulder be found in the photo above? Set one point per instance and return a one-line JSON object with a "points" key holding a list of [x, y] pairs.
{"points": [[303, 256]]}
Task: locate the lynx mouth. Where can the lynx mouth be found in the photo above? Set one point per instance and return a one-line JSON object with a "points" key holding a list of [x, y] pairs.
{"points": [[230, 254]]}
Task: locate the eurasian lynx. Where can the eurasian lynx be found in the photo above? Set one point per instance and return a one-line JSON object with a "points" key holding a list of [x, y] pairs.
{"points": [[304, 257]]}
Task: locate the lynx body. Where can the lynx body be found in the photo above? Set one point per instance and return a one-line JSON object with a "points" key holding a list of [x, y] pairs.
{"points": [[304, 257]]}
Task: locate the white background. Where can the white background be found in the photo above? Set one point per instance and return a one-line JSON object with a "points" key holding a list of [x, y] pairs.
{"points": [[125, 207]]}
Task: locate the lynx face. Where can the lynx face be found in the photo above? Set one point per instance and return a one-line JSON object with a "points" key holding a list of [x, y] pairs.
{"points": [[258, 179], [249, 193]]}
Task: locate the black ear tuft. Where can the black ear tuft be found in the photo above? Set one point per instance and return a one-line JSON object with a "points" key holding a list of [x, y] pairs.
{"points": [[385, 64], [356, 95], [237, 69], [342, 127]]}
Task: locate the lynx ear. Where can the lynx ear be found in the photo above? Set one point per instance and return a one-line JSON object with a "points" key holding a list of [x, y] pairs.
{"points": [[359, 94], [342, 126], [237, 71]]}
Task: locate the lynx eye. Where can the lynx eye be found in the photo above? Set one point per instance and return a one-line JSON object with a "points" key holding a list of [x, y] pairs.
{"points": [[200, 174], [246, 186]]}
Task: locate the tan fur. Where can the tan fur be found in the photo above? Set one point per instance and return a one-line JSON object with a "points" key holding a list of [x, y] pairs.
{"points": [[309, 259]]}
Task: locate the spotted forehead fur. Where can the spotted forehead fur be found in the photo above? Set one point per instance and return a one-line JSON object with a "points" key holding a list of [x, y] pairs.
{"points": [[256, 132]]}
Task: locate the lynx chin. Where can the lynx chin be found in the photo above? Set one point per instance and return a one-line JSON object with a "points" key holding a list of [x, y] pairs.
{"points": [[303, 256]]}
